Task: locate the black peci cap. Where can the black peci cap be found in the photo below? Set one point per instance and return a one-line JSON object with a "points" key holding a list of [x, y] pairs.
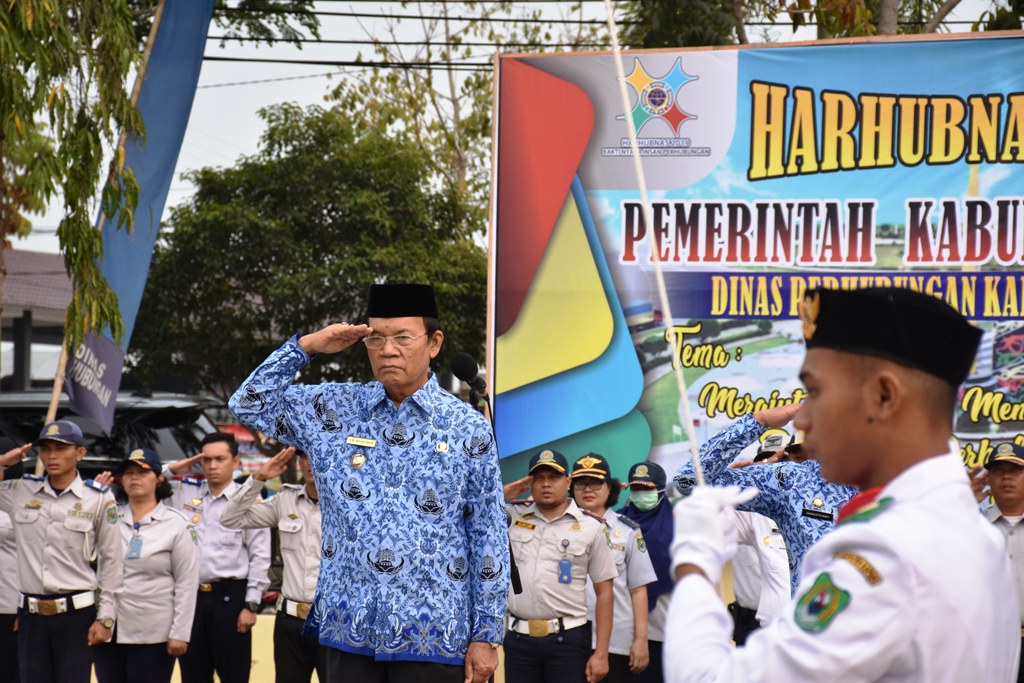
{"points": [[907, 327], [552, 459], [592, 465], [649, 473], [401, 301]]}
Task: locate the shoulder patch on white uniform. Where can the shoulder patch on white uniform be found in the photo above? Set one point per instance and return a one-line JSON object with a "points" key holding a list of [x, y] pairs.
{"points": [[93, 484], [862, 565], [192, 480], [628, 522], [34, 477], [9, 484]]}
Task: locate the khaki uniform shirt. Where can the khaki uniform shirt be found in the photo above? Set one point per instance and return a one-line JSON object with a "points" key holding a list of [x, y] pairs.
{"points": [[223, 553], [160, 584], [635, 570], [1014, 535], [297, 518], [538, 547], [8, 566], [58, 536]]}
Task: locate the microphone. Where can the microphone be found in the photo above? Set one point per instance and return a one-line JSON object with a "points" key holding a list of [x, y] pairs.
{"points": [[465, 368]]}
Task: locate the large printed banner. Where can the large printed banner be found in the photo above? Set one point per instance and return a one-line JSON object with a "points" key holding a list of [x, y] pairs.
{"points": [[770, 171]]}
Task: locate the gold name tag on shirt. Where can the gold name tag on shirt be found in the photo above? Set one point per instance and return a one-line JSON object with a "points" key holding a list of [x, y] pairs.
{"points": [[525, 525], [80, 514], [360, 441]]}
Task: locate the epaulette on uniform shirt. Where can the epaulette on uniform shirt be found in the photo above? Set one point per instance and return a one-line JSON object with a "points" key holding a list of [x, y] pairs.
{"points": [[34, 477], [192, 480], [520, 502], [628, 522], [93, 484]]}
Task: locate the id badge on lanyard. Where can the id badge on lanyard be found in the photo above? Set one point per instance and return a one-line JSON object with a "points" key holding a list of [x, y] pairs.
{"points": [[565, 565]]}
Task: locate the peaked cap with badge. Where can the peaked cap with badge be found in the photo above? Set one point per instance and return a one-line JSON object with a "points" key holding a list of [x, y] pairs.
{"points": [[1006, 452], [911, 328], [647, 473], [549, 458], [63, 431], [401, 301], [592, 465], [144, 458]]}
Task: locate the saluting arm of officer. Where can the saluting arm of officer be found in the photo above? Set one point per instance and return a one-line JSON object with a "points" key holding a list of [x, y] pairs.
{"points": [[110, 555], [849, 623], [268, 401], [719, 451], [486, 534], [241, 513], [185, 568], [770, 501]]}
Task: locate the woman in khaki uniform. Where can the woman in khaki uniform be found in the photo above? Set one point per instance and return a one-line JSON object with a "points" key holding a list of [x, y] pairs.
{"points": [[161, 577]]}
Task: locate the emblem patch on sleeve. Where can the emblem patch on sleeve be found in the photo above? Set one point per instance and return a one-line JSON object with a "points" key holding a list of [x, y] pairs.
{"points": [[641, 544], [112, 514], [820, 605]]}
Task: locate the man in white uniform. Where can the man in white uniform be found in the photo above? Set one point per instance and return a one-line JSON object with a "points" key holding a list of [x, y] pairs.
{"points": [[911, 586], [1005, 467]]}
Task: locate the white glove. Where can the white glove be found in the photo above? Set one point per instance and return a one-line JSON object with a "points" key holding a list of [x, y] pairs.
{"points": [[705, 528]]}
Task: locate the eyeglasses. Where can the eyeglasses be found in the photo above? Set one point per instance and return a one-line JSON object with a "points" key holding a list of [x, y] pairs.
{"points": [[581, 485], [400, 340]]}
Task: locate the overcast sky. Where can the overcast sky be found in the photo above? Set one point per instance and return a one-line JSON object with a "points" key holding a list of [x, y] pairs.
{"points": [[224, 124]]}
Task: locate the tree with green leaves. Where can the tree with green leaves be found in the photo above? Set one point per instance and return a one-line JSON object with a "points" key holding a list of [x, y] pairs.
{"points": [[290, 239], [65, 114]]}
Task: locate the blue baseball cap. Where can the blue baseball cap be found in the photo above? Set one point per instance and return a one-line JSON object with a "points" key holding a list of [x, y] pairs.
{"points": [[63, 431], [143, 457]]}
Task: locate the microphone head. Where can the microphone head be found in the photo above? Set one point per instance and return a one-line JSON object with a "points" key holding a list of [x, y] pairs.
{"points": [[464, 367]]}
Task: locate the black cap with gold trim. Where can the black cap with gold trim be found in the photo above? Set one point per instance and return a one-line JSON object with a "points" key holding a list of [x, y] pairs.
{"points": [[907, 327], [1006, 452], [144, 458], [647, 473], [552, 459], [592, 465]]}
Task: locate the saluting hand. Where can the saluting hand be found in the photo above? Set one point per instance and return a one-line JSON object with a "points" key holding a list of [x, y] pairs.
{"points": [[246, 620], [176, 648], [979, 482], [15, 455], [184, 465], [105, 478], [334, 338], [274, 467], [514, 489], [779, 416]]}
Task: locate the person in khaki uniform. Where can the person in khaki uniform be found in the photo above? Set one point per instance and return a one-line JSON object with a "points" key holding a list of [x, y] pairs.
{"points": [[62, 524], [556, 546], [161, 577], [295, 511]]}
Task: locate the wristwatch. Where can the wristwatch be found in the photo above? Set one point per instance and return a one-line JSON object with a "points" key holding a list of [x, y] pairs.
{"points": [[253, 607], [107, 623]]}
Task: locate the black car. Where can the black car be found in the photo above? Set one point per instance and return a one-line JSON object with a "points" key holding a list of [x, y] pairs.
{"points": [[170, 424]]}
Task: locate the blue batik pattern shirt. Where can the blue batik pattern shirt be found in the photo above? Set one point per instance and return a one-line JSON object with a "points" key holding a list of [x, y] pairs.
{"points": [[415, 559], [793, 494]]}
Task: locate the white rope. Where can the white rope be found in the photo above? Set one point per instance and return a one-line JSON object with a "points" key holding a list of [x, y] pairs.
{"points": [[666, 311]]}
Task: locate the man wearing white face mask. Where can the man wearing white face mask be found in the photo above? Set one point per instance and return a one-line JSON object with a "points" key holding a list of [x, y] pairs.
{"points": [[650, 508]]}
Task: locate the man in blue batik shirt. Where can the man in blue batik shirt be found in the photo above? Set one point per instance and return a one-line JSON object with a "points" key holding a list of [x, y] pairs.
{"points": [[414, 579], [794, 494]]}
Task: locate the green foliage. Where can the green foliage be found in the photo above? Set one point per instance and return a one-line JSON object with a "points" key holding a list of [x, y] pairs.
{"points": [[678, 23], [290, 239], [64, 64], [1001, 18], [268, 21]]}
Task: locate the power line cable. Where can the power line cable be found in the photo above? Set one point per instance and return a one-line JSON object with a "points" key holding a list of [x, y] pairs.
{"points": [[267, 80], [386, 65], [439, 43], [378, 15]]}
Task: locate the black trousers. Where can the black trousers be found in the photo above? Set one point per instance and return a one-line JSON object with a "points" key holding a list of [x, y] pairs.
{"points": [[216, 644], [345, 667], [618, 669], [9, 648], [296, 655], [653, 672], [744, 622], [556, 658], [55, 649], [118, 663]]}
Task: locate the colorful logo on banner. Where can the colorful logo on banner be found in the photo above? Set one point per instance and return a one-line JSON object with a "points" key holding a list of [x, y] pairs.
{"points": [[658, 98]]}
